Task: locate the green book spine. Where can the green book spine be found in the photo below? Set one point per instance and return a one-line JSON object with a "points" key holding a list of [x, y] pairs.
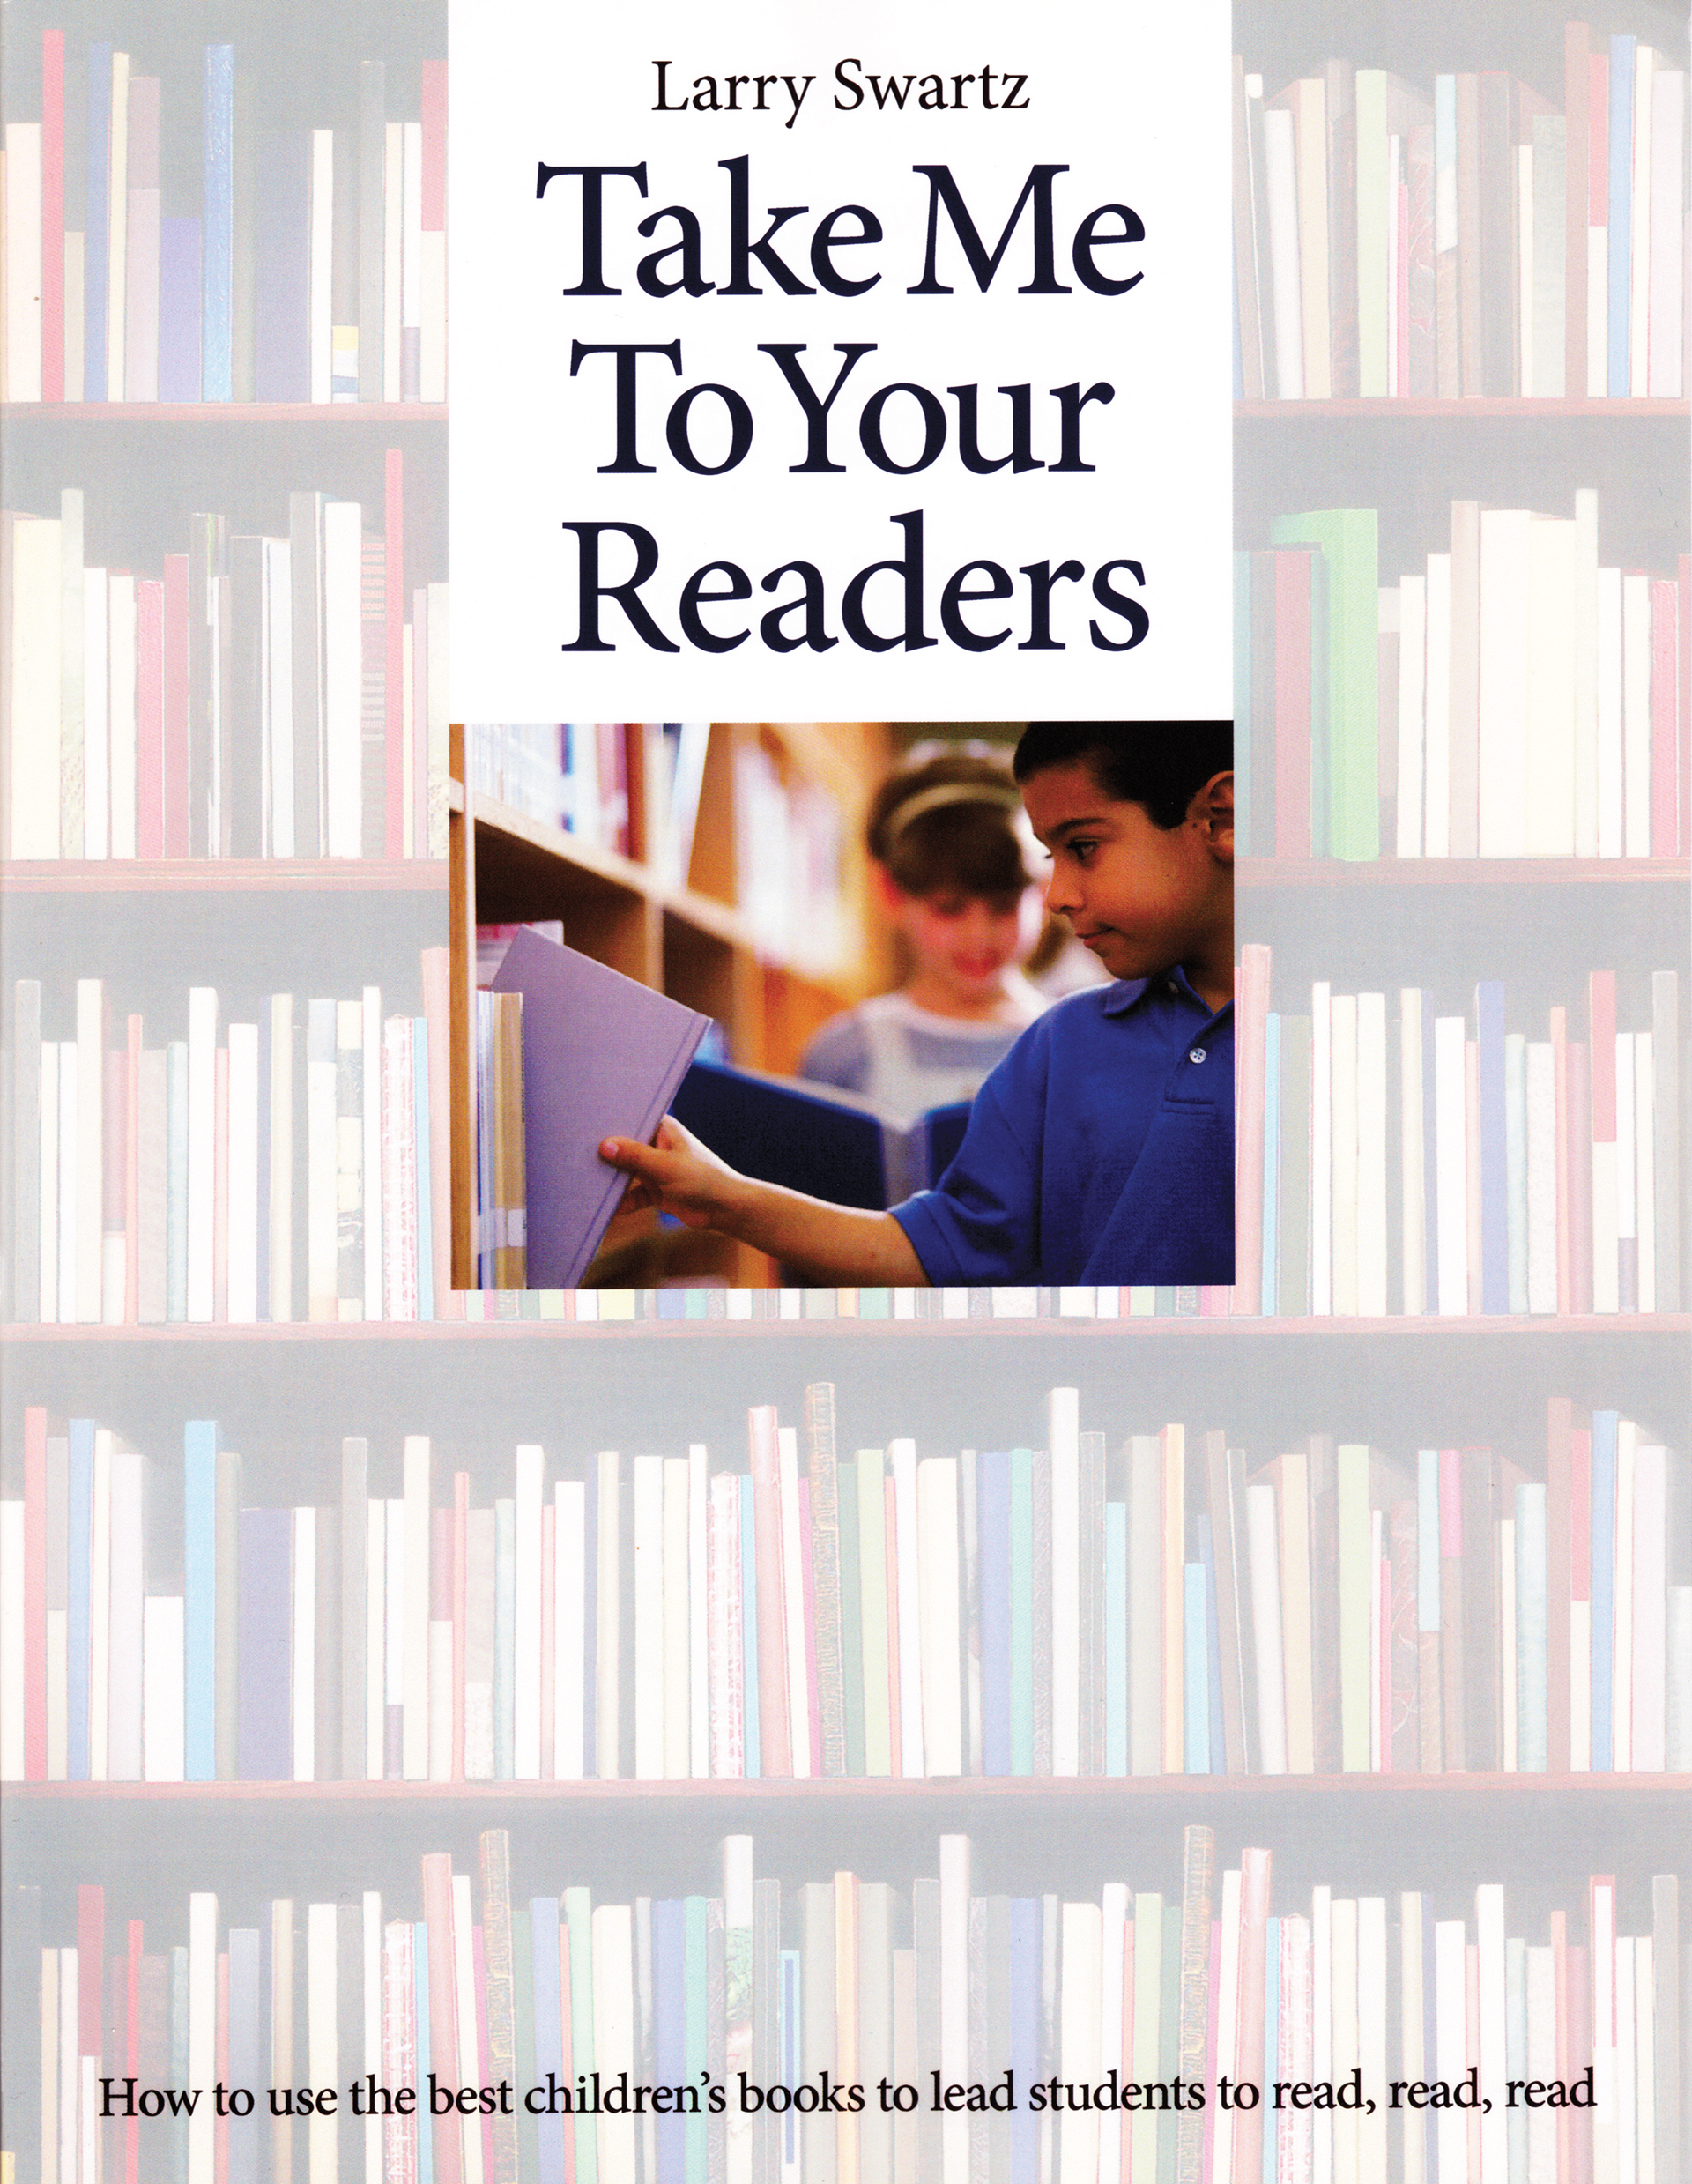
{"points": [[1349, 538], [851, 1619], [872, 1571], [1021, 1611]]}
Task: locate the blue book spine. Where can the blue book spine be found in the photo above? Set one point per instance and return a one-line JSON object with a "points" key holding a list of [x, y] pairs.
{"points": [[505, 1638], [996, 1612], [179, 309], [549, 2031], [749, 1630], [200, 1601], [217, 205], [1494, 1212], [79, 1525], [1270, 2042], [1021, 1611], [696, 2055], [1025, 2036], [1270, 1279], [421, 1988], [669, 2029], [1621, 208], [94, 241], [424, 1200], [176, 1180], [1603, 1587], [1115, 1638], [1196, 1670]]}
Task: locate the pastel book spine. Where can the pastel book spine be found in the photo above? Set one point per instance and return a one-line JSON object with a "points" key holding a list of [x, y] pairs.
{"points": [[265, 1749]]}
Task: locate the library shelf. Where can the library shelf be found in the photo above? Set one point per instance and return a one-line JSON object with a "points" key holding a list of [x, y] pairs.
{"points": [[226, 875], [1030, 1327], [1261, 873], [1490, 407], [1016, 1789], [224, 412]]}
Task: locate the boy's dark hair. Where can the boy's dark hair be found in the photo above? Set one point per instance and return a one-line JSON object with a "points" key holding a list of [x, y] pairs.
{"points": [[1160, 764], [949, 825]]}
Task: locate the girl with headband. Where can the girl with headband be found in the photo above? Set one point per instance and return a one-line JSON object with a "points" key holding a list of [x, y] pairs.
{"points": [[947, 837]]}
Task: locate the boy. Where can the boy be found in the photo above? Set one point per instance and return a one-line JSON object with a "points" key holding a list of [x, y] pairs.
{"points": [[1101, 1147]]}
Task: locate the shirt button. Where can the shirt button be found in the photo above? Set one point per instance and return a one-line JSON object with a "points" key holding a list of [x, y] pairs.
{"points": [[1196, 1054]]}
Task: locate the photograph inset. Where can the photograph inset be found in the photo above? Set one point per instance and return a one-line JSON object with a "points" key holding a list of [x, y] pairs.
{"points": [[737, 1005]]}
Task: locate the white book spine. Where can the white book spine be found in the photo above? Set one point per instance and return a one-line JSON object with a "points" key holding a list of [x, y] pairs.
{"points": [[162, 1749], [1547, 791], [202, 1137], [1509, 1676], [678, 1691], [304, 1646], [1451, 1164], [1598, 311], [1626, 1440], [1524, 266], [954, 1984], [902, 1455], [23, 266], [1611, 830], [37, 674], [1580, 1686], [1644, 1168], [698, 1656], [376, 1648], [649, 1617], [323, 2046], [1113, 1936], [202, 2032], [613, 2035], [1650, 1608], [1062, 1430], [570, 1502], [1639, 240], [1371, 1155], [343, 677], [242, 1217], [936, 1516], [1322, 2048], [1266, 1626], [393, 1647], [1321, 1286], [1437, 732], [525, 1747], [464, 1982], [1541, 1178], [320, 270], [96, 703], [370, 1090], [1635, 713], [411, 271], [798, 1697], [1584, 691], [68, 1148], [1412, 1207], [1228, 2022], [12, 1641], [1079, 2027], [1412, 662], [414, 1763], [100, 1608], [90, 1146], [1665, 364], [1504, 679], [1281, 190], [123, 642]]}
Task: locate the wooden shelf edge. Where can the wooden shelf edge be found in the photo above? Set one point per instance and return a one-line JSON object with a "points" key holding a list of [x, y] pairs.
{"points": [[230, 875], [1261, 873], [220, 1333], [228, 412], [1489, 406], [950, 1789]]}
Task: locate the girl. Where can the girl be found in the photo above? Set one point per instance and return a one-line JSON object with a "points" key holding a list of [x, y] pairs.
{"points": [[946, 834]]}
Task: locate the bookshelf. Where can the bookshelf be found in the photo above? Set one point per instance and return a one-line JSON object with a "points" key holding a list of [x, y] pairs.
{"points": [[694, 941]]}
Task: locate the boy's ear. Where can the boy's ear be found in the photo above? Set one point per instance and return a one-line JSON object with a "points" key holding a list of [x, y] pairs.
{"points": [[1213, 808]]}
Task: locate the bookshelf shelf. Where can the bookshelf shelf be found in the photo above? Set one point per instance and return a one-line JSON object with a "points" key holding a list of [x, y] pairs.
{"points": [[384, 414], [845, 1327], [1259, 873], [1478, 407], [228, 876], [1532, 1790]]}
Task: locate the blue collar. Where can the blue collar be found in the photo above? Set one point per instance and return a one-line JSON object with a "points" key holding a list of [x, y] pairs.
{"points": [[1124, 994]]}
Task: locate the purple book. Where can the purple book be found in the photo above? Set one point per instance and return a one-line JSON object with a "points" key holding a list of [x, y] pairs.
{"points": [[282, 366], [178, 310], [264, 1738], [602, 1058]]}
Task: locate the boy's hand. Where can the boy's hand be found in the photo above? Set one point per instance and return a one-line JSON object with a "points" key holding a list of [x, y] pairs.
{"points": [[678, 1175]]}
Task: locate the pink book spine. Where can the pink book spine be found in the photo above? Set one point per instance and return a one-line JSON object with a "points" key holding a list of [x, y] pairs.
{"points": [[419, 721], [393, 614], [53, 218], [434, 145], [149, 755], [1664, 724]]}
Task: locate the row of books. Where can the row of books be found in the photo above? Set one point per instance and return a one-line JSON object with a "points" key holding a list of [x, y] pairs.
{"points": [[293, 1167], [1510, 698], [260, 696], [1449, 1164], [315, 270], [1163, 1607], [1393, 1159], [788, 850], [574, 775], [1115, 2037], [1475, 241]]}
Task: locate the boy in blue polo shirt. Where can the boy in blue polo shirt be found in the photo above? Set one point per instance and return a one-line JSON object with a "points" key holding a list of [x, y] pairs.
{"points": [[1101, 1147]]}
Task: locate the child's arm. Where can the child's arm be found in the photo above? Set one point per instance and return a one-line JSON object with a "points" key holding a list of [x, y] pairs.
{"points": [[828, 1243]]}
